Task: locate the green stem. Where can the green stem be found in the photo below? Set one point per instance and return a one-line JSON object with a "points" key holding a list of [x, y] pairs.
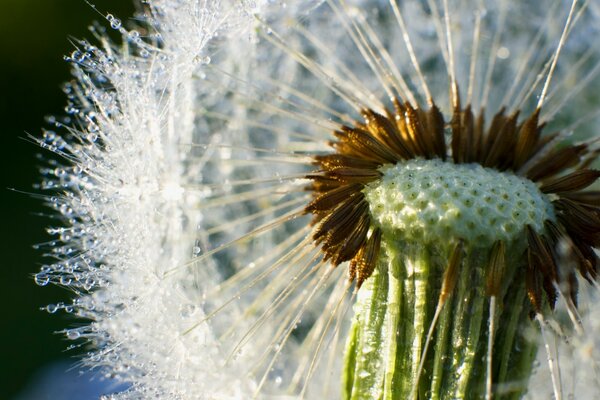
{"points": [[393, 315], [368, 337], [394, 302]]}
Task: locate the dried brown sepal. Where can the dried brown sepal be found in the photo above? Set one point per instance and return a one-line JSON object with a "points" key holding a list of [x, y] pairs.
{"points": [[340, 215], [452, 271], [366, 260], [332, 198], [579, 221], [560, 239], [458, 137], [321, 183], [572, 257], [591, 198], [532, 283], [349, 175], [331, 161], [348, 225], [572, 288], [498, 122], [415, 130], [400, 119], [470, 141], [555, 162], [573, 252], [573, 182], [496, 268], [543, 259], [503, 146], [479, 136], [356, 239], [541, 250], [349, 147], [361, 144], [589, 269], [387, 132], [353, 266], [435, 128], [529, 134]]}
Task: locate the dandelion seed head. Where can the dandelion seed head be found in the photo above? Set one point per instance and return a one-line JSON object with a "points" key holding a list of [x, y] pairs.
{"points": [[190, 192]]}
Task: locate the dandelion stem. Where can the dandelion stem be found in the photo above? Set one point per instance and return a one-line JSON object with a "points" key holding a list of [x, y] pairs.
{"points": [[386, 353]]}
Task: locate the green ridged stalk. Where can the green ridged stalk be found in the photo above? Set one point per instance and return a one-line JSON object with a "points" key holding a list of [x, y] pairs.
{"points": [[393, 315]]}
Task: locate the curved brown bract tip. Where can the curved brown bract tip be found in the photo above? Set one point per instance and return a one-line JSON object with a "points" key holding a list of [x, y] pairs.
{"points": [[452, 271], [496, 268], [341, 217], [364, 263], [573, 182], [542, 260]]}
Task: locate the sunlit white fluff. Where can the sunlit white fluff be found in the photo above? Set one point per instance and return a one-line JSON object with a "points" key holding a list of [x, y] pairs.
{"points": [[182, 192], [127, 215]]}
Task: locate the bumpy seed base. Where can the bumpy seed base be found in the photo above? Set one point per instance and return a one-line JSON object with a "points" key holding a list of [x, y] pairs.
{"points": [[433, 200]]}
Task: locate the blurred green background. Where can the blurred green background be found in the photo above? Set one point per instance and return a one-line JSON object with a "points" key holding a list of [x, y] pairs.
{"points": [[34, 35]]}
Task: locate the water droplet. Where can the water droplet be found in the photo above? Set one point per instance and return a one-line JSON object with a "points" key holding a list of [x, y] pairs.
{"points": [[364, 373], [187, 310], [42, 279], [65, 280], [196, 251], [367, 349], [51, 308], [115, 23], [73, 334]]}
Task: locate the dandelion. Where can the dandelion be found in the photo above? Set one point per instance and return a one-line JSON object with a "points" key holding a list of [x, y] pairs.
{"points": [[334, 199]]}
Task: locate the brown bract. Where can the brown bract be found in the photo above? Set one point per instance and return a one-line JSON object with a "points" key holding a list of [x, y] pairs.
{"points": [[342, 223]]}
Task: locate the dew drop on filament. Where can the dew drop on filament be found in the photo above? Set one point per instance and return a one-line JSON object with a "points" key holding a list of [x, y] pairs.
{"points": [[42, 279]]}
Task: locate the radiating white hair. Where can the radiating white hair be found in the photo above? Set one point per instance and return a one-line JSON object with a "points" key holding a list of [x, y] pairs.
{"points": [[182, 191]]}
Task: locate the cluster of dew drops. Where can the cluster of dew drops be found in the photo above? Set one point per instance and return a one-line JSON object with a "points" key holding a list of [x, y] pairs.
{"points": [[68, 186], [70, 189], [89, 59]]}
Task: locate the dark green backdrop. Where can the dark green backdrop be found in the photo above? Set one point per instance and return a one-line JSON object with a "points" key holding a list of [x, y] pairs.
{"points": [[34, 35]]}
